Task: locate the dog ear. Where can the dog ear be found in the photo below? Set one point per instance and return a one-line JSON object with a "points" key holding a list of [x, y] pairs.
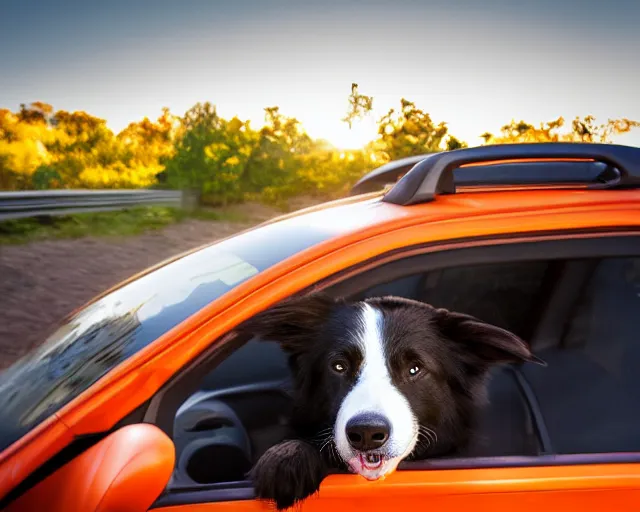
{"points": [[292, 322], [488, 343]]}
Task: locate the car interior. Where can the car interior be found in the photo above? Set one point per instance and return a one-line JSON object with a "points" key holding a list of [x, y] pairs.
{"points": [[577, 314]]}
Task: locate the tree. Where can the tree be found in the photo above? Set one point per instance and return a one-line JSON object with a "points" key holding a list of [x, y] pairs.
{"points": [[585, 129], [454, 143], [582, 129], [210, 155], [272, 166], [520, 131], [409, 131], [188, 167], [150, 143], [228, 160], [43, 148], [359, 106], [23, 147], [36, 112], [86, 153]]}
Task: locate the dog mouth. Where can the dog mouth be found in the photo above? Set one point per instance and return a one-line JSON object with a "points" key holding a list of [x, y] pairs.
{"points": [[371, 461], [371, 465]]}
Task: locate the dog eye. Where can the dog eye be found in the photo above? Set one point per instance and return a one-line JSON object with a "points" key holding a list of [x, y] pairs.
{"points": [[414, 370], [339, 367]]}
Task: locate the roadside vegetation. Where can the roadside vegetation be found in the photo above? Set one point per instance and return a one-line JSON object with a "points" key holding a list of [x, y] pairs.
{"points": [[129, 222], [222, 161]]}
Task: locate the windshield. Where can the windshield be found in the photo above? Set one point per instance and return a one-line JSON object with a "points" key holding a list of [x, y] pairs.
{"points": [[102, 335]]}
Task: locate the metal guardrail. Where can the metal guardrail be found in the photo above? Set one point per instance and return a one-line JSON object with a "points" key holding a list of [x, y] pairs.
{"points": [[16, 205]]}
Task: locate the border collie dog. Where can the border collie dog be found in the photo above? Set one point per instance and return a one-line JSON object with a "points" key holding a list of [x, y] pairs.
{"points": [[375, 382]]}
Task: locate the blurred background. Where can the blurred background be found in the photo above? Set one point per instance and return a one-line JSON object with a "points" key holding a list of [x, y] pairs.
{"points": [[131, 131]]}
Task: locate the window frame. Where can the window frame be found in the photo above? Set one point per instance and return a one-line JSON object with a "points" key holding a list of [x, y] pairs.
{"points": [[559, 245]]}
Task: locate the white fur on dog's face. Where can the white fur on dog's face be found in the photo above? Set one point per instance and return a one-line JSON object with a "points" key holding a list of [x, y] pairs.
{"points": [[374, 392]]}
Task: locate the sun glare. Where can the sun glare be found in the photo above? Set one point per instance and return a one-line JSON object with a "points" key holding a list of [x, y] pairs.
{"points": [[341, 136]]}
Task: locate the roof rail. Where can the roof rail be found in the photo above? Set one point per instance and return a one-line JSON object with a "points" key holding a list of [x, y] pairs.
{"points": [[434, 174], [386, 174]]}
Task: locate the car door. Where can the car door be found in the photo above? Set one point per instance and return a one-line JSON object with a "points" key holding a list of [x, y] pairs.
{"points": [[579, 311]]}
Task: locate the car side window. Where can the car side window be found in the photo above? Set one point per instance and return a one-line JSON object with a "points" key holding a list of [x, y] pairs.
{"points": [[506, 294], [503, 294], [589, 394]]}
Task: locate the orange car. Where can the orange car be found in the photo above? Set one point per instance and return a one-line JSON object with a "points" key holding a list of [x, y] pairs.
{"points": [[147, 399]]}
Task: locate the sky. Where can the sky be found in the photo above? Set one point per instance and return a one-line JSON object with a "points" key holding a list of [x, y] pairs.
{"points": [[475, 64]]}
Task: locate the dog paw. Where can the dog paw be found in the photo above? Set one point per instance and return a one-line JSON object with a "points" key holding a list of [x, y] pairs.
{"points": [[288, 473]]}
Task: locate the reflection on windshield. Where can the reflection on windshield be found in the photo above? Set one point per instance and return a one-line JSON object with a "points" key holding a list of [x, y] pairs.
{"points": [[109, 331], [39, 390]]}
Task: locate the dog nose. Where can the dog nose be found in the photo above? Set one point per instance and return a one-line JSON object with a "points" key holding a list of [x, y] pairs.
{"points": [[367, 431]]}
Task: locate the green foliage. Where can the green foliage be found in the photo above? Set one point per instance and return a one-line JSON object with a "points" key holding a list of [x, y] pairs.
{"points": [[133, 221], [409, 131], [224, 161], [204, 154], [454, 143], [46, 177], [42, 148], [582, 129], [120, 223], [275, 158]]}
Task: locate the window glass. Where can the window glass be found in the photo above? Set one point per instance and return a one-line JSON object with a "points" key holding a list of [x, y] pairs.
{"points": [[589, 393], [503, 294]]}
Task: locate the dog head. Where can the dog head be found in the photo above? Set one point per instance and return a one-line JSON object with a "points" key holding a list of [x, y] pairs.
{"points": [[387, 376]]}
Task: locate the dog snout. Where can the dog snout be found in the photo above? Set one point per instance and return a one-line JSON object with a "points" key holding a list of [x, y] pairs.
{"points": [[367, 431]]}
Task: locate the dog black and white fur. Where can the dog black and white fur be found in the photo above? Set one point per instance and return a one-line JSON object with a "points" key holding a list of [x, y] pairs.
{"points": [[375, 382]]}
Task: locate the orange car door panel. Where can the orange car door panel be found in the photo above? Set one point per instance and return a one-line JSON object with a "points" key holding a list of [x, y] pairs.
{"points": [[560, 488]]}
